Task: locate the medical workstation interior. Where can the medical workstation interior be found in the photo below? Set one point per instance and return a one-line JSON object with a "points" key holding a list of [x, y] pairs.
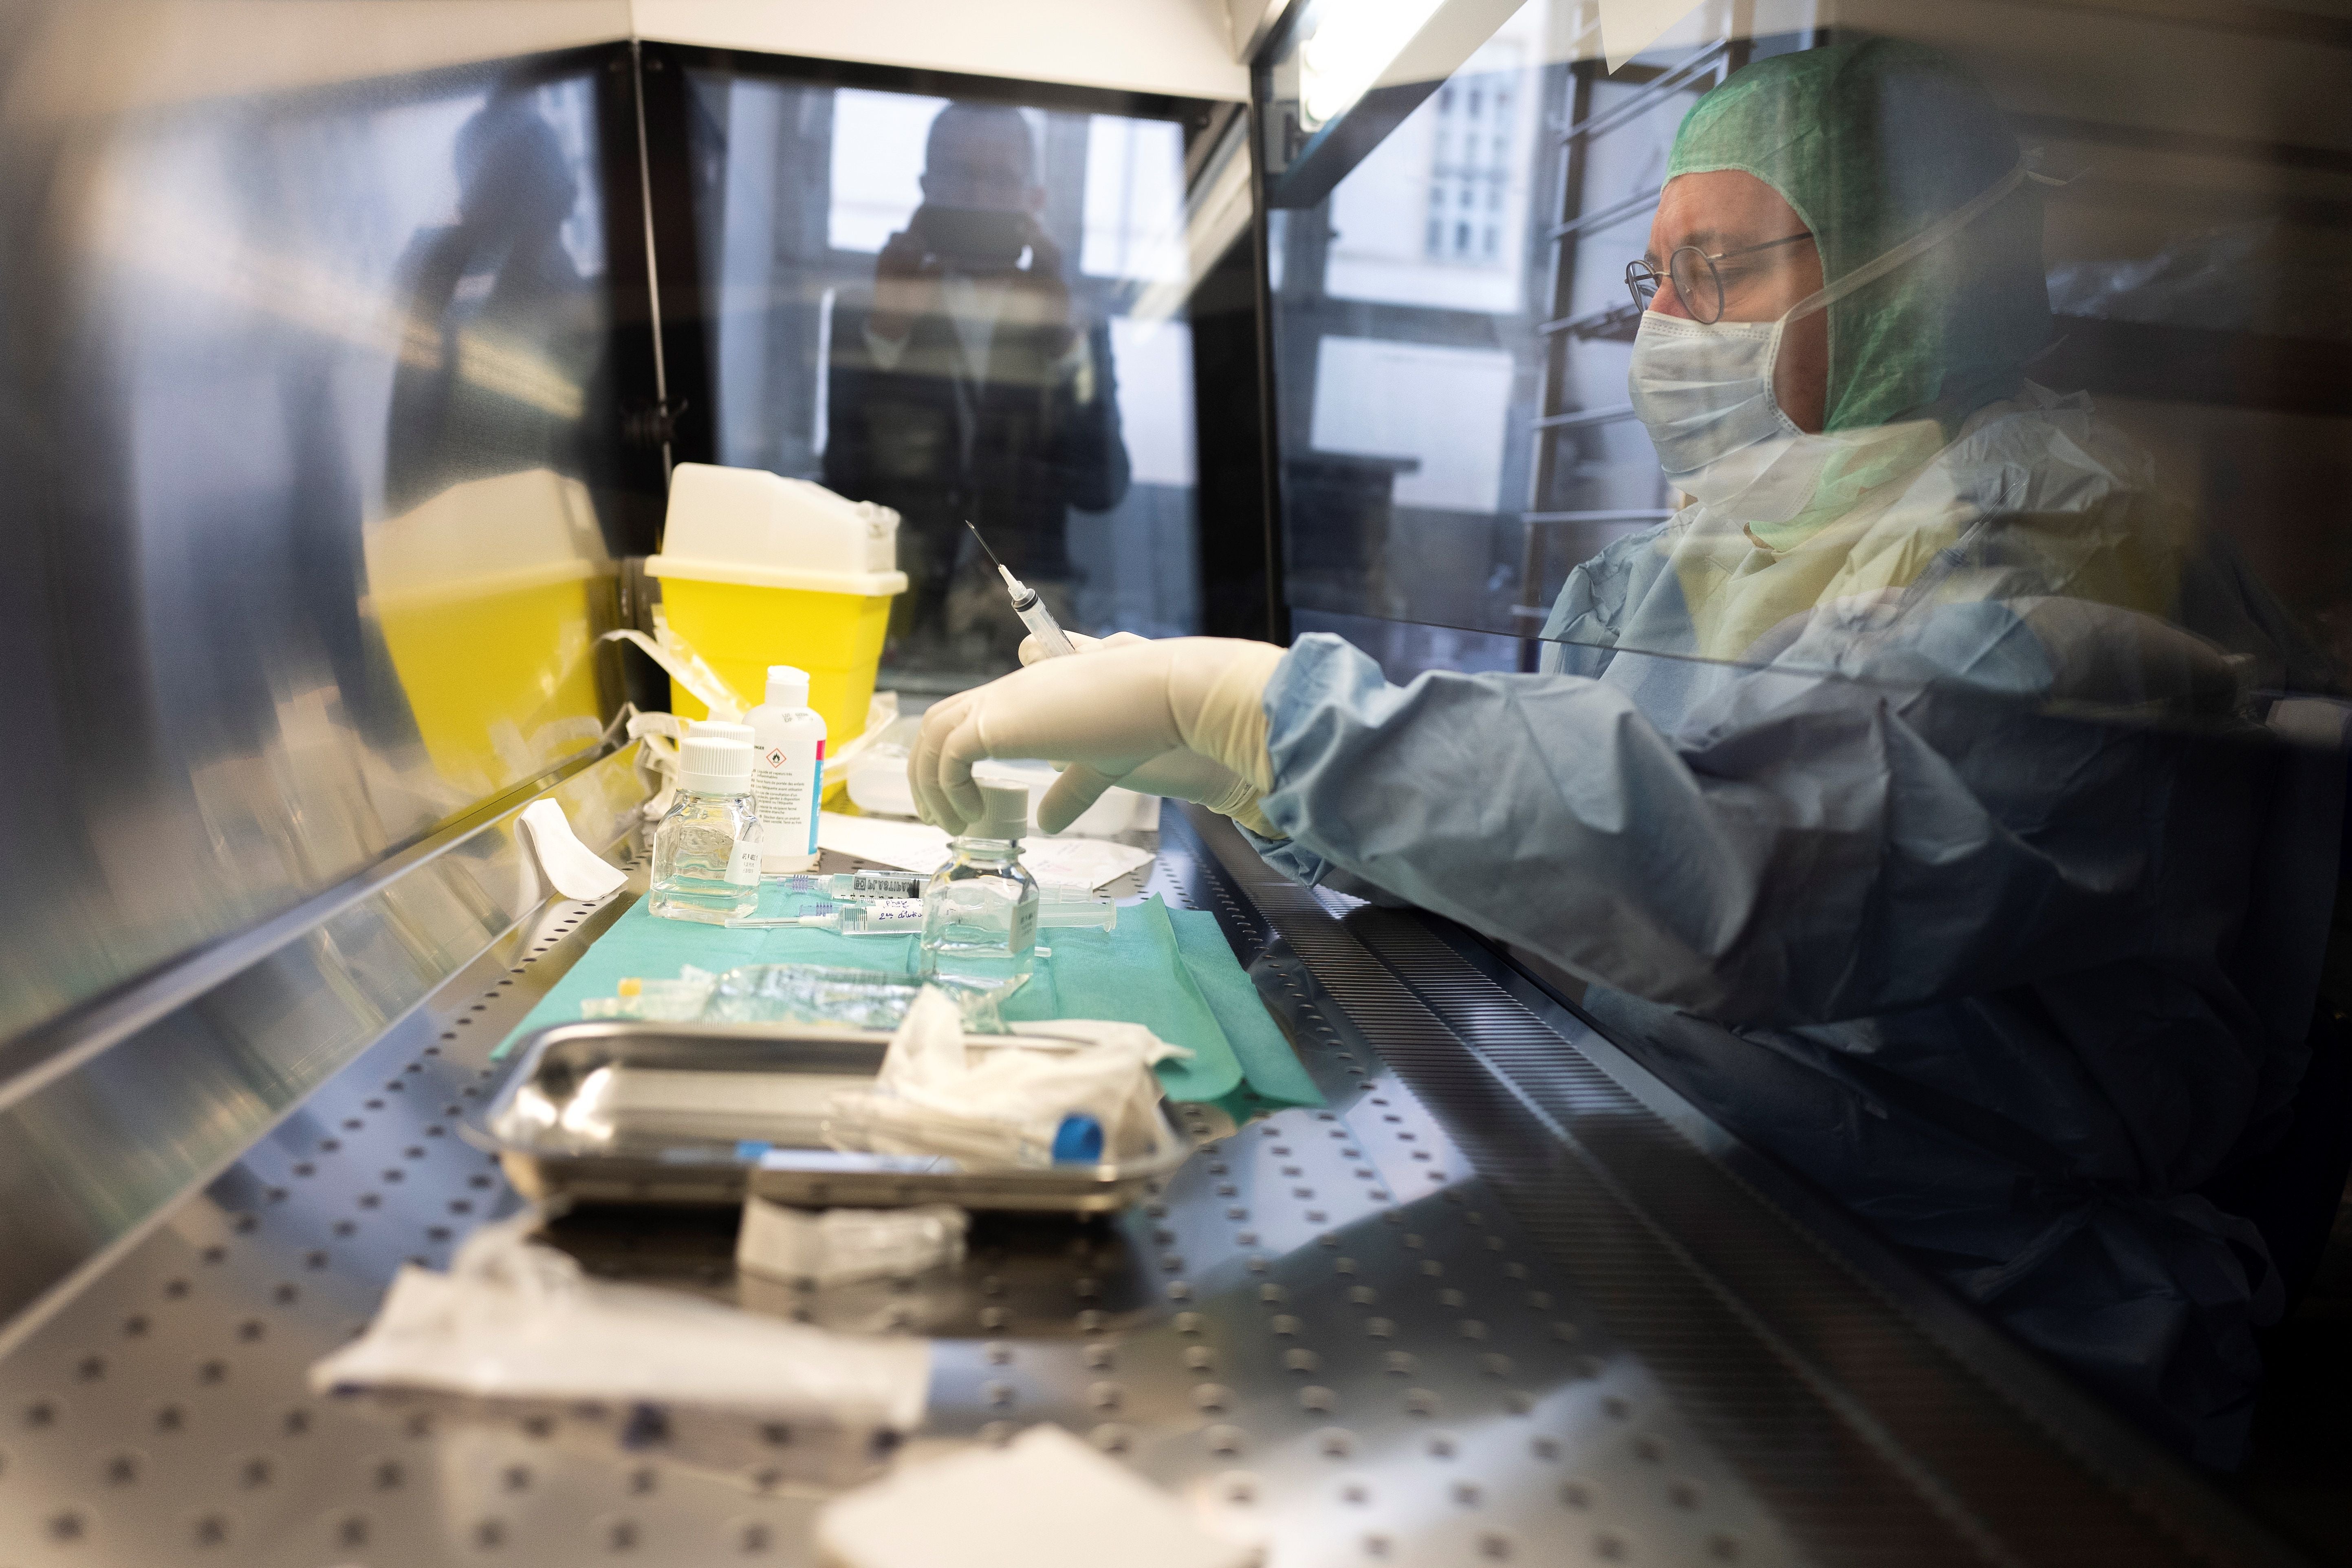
{"points": [[1763, 984]]}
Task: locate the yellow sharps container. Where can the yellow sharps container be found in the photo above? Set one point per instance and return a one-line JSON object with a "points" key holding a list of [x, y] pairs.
{"points": [[757, 570], [489, 598]]}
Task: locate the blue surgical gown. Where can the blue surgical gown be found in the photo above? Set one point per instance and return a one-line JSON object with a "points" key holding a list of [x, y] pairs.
{"points": [[1933, 886]]}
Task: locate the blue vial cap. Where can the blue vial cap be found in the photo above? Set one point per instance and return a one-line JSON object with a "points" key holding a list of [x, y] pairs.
{"points": [[1078, 1141]]}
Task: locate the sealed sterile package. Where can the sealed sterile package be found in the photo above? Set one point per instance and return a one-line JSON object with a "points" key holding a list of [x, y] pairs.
{"points": [[838, 1247], [815, 994], [659, 1001], [514, 1327], [1002, 1102]]}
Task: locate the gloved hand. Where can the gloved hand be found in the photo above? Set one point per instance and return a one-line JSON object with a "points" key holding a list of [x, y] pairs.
{"points": [[1181, 775], [1031, 653], [1178, 716]]}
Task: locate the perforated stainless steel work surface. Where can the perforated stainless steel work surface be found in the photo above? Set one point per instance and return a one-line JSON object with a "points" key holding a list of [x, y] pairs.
{"points": [[1344, 1332]]}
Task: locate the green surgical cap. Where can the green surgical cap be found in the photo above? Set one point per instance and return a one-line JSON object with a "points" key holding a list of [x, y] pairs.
{"points": [[1870, 142]]}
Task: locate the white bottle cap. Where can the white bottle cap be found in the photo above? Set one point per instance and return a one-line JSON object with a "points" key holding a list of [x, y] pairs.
{"points": [[708, 765], [719, 730], [1005, 813], [787, 687]]}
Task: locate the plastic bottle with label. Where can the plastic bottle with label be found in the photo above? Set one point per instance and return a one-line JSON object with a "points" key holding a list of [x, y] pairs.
{"points": [[706, 850], [787, 771]]}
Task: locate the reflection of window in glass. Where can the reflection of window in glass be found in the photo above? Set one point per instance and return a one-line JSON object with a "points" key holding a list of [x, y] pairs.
{"points": [[1155, 397], [1436, 215], [877, 165], [570, 109], [1446, 407], [1476, 117], [1135, 198]]}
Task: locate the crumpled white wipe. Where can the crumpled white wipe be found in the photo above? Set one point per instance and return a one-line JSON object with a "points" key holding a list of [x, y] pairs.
{"points": [[835, 1246], [576, 870], [514, 1319], [997, 1100]]}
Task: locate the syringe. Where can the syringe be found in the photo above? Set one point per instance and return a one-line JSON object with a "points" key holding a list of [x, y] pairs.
{"points": [[877, 917], [1028, 607], [1057, 905]]}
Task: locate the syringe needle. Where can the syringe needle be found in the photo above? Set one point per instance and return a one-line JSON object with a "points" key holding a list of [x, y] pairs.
{"points": [[1051, 638], [984, 549]]}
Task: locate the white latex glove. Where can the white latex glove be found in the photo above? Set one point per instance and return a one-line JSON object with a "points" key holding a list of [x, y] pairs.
{"points": [[1179, 774], [1032, 654], [1108, 714]]}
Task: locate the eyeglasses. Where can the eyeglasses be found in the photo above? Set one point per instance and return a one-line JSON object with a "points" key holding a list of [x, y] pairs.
{"points": [[1696, 282]]}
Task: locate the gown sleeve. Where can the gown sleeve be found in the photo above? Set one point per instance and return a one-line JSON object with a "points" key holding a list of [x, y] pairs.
{"points": [[1807, 844]]}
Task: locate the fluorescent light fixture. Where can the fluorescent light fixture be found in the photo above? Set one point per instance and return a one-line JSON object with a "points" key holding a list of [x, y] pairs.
{"points": [[1350, 43]]}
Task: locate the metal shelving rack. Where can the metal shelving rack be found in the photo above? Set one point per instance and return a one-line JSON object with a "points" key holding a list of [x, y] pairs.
{"points": [[1561, 427]]}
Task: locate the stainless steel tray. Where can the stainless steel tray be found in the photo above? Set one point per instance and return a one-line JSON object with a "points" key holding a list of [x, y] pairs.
{"points": [[704, 1113]]}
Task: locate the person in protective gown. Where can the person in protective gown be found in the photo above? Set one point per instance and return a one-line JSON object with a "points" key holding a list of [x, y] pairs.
{"points": [[972, 389], [1895, 798]]}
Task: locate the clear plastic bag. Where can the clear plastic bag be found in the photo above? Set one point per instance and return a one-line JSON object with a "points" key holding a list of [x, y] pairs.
{"points": [[816, 993], [676, 1001]]}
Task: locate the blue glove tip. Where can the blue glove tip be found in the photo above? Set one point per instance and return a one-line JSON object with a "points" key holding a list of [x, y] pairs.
{"points": [[1078, 1141]]}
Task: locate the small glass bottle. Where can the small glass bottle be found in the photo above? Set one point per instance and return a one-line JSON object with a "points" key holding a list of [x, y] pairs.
{"points": [[706, 850], [980, 910]]}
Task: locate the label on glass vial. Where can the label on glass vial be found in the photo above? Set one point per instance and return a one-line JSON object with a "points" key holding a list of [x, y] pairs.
{"points": [[787, 779], [743, 861], [1025, 926]]}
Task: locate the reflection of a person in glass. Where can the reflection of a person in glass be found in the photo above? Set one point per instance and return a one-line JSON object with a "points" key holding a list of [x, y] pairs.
{"points": [[969, 389], [502, 346], [1848, 865]]}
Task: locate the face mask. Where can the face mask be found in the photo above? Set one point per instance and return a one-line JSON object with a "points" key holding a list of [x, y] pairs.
{"points": [[1710, 406], [1704, 390]]}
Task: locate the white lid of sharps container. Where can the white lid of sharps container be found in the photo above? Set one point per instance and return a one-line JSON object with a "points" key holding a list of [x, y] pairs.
{"points": [[788, 685], [708, 765]]}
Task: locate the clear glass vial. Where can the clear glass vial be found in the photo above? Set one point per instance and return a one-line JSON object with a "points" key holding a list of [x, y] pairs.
{"points": [[980, 910], [706, 850]]}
